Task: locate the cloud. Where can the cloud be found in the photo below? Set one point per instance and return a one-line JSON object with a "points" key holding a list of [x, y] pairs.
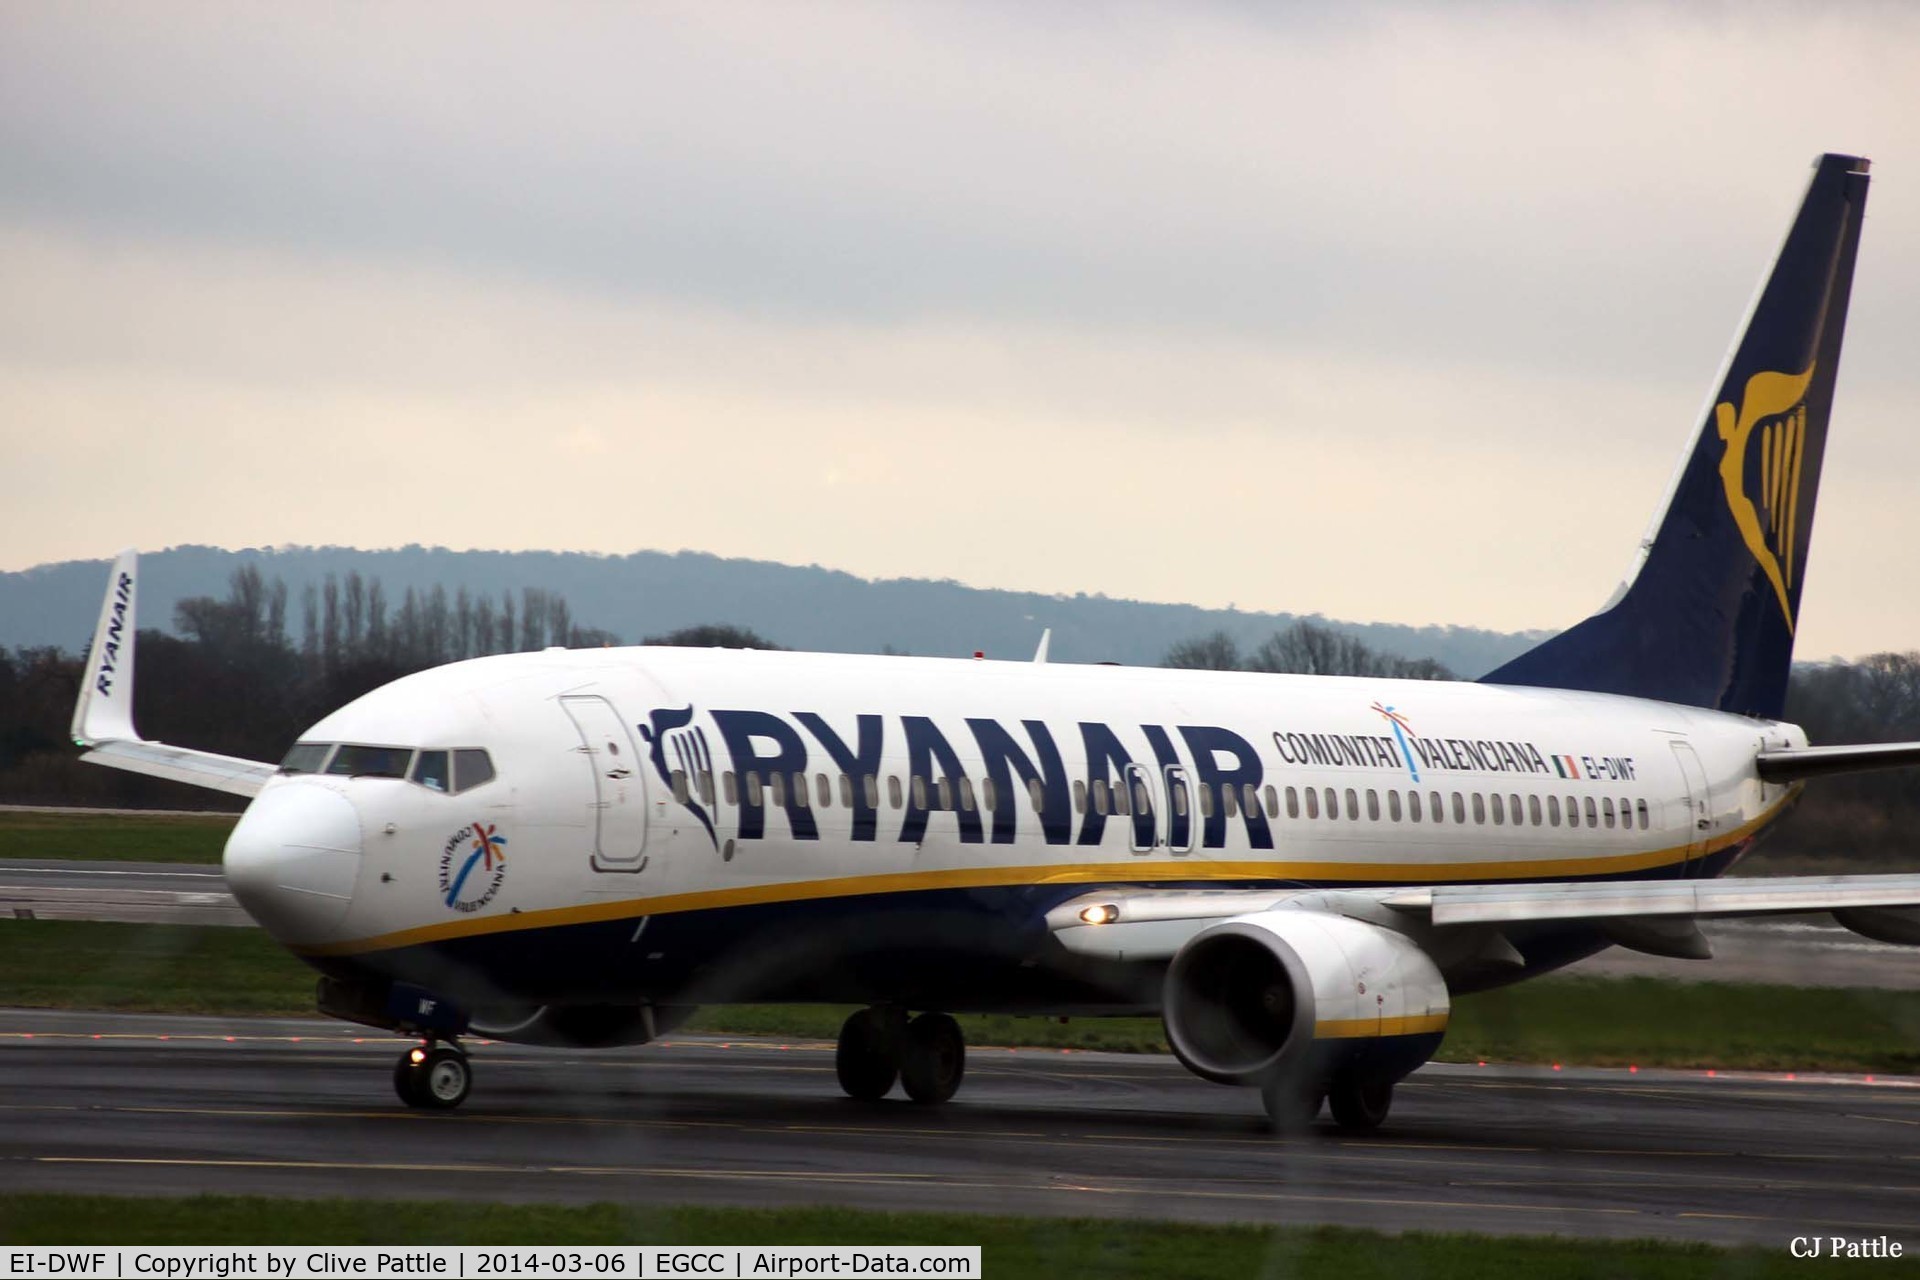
{"points": [[1215, 302]]}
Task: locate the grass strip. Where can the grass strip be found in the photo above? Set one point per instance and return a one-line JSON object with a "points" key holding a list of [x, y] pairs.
{"points": [[1594, 1021], [113, 838], [1010, 1247]]}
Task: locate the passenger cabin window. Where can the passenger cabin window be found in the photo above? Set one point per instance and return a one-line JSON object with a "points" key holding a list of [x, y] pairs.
{"points": [[1229, 803], [1373, 805], [1099, 795], [1640, 806], [1533, 809], [680, 791], [306, 757], [753, 790], [1413, 806], [1438, 809], [893, 790], [1479, 808], [1332, 798], [871, 786], [1120, 791], [1592, 821], [1553, 811], [919, 792], [1036, 795], [777, 787], [1393, 805], [944, 785], [1606, 810], [433, 770], [1513, 807], [1273, 802], [989, 795], [1293, 802], [1206, 799], [1459, 808], [1353, 806], [966, 795], [733, 794], [1499, 810], [824, 785], [800, 797], [846, 791], [1080, 796], [1313, 801]]}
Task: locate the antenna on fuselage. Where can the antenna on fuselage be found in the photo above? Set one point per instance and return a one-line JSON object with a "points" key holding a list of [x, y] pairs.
{"points": [[1040, 654]]}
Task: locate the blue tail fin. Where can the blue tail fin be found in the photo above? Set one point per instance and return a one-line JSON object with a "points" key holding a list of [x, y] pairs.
{"points": [[1706, 616]]}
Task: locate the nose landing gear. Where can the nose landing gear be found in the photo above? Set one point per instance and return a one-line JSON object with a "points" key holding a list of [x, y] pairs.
{"points": [[928, 1055], [433, 1075]]}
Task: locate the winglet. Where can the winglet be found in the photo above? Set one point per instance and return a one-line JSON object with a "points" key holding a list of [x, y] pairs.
{"points": [[1040, 654], [104, 712]]}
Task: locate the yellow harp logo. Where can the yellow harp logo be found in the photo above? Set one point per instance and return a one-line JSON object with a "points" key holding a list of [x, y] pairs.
{"points": [[1774, 403]]}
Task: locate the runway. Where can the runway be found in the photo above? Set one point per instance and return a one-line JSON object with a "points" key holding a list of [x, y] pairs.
{"points": [[139, 1104], [132, 892]]}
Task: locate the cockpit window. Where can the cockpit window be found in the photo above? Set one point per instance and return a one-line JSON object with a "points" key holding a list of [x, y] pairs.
{"points": [[306, 757], [431, 770], [371, 762], [471, 768]]}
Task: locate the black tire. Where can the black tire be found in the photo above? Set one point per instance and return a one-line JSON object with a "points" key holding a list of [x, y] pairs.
{"points": [[863, 1059], [934, 1058], [1292, 1104], [406, 1080], [1360, 1103], [438, 1081]]}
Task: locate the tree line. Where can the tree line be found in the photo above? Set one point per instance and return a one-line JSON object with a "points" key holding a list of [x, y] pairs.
{"points": [[234, 679]]}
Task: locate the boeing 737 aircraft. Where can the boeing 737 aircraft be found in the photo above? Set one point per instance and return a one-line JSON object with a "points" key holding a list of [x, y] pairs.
{"points": [[1297, 873]]}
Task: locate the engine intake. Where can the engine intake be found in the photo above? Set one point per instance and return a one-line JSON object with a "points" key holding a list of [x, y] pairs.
{"points": [[1253, 997]]}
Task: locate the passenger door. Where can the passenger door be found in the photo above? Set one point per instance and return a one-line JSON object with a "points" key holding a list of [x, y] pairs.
{"points": [[619, 783]]}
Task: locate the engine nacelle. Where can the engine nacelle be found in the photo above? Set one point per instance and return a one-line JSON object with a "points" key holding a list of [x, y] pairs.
{"points": [[1252, 998]]}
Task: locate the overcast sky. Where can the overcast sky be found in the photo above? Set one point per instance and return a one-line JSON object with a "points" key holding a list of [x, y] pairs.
{"points": [[1402, 314]]}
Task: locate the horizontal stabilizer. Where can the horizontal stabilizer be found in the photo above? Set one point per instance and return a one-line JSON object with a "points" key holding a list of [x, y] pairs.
{"points": [[1814, 762]]}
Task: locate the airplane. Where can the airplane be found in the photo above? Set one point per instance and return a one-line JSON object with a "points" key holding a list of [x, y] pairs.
{"points": [[1296, 873]]}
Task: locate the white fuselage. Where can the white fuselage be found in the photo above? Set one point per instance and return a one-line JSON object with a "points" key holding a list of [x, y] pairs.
{"points": [[635, 832]]}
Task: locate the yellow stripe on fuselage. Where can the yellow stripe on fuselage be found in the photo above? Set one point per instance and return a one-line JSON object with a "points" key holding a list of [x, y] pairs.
{"points": [[1183, 871]]}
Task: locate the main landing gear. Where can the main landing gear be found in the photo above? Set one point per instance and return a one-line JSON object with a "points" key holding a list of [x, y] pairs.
{"points": [[434, 1075], [927, 1055], [1359, 1101]]}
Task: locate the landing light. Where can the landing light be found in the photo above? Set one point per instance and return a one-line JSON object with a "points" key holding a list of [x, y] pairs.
{"points": [[1103, 914], [417, 1057]]}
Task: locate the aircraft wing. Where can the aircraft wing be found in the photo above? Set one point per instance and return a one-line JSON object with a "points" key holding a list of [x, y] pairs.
{"points": [[1144, 924], [103, 717]]}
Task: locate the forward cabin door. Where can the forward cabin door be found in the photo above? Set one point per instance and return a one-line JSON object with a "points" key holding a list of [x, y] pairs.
{"points": [[619, 784], [1699, 807]]}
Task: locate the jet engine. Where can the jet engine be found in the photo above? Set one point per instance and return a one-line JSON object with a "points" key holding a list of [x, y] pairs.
{"points": [[1306, 995]]}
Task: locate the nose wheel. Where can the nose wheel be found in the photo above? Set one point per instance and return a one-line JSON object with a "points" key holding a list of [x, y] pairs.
{"points": [[433, 1076]]}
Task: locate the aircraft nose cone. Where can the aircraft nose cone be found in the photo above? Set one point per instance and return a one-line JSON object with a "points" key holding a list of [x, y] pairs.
{"points": [[292, 860]]}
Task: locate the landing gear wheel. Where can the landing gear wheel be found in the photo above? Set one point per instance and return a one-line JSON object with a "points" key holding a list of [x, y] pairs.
{"points": [[933, 1059], [1360, 1103], [1291, 1104], [435, 1077], [863, 1060]]}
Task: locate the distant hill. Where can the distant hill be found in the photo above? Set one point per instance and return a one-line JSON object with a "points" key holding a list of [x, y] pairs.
{"points": [[651, 592]]}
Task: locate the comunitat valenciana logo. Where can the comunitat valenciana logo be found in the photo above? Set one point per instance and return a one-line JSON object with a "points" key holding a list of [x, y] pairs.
{"points": [[472, 866]]}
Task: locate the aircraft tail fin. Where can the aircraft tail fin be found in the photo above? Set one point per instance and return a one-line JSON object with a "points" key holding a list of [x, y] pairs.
{"points": [[1706, 615]]}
